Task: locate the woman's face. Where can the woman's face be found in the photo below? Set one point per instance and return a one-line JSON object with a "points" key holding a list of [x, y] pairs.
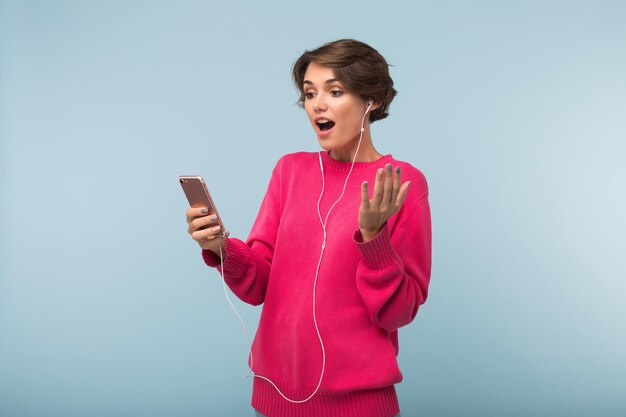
{"points": [[334, 112]]}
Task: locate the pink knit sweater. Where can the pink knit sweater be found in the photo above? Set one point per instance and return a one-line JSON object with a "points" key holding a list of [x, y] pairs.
{"points": [[365, 291]]}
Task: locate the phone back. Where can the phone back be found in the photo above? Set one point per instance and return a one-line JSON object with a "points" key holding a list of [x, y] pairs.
{"points": [[198, 196], [196, 192]]}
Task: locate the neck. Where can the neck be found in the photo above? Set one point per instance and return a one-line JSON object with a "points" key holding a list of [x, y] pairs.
{"points": [[367, 152], [363, 156]]}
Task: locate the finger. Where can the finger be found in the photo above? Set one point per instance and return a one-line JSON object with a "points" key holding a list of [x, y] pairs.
{"points": [[378, 188], [397, 182], [206, 234], [200, 223], [365, 196], [404, 190], [194, 212], [387, 190]]}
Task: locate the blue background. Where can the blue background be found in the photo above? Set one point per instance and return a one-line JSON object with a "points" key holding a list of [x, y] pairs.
{"points": [[515, 111]]}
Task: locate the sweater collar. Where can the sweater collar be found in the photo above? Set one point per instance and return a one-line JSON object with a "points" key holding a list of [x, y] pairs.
{"points": [[333, 164]]}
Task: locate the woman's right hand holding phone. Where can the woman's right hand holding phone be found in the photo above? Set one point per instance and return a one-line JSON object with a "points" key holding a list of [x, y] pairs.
{"points": [[205, 229]]}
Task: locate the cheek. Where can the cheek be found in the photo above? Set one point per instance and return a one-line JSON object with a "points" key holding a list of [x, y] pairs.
{"points": [[350, 113], [352, 118]]}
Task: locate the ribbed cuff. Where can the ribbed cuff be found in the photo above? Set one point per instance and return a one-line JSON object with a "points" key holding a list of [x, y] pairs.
{"points": [[378, 252], [210, 258], [236, 254]]}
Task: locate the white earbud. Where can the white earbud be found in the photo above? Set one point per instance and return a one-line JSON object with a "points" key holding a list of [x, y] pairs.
{"points": [[370, 103]]}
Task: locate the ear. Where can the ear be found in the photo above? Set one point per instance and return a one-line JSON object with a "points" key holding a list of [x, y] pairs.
{"points": [[375, 105]]}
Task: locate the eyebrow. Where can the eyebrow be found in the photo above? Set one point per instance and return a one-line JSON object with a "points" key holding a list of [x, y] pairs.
{"points": [[329, 81]]}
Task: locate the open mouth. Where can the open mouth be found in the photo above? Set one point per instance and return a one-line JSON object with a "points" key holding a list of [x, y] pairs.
{"points": [[325, 124]]}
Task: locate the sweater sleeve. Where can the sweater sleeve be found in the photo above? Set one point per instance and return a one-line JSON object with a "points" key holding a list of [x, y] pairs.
{"points": [[394, 271], [247, 264]]}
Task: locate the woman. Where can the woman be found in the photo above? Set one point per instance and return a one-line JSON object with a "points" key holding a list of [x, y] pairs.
{"points": [[340, 265]]}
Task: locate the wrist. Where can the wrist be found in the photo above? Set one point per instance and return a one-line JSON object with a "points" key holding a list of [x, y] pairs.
{"points": [[217, 246], [368, 235]]}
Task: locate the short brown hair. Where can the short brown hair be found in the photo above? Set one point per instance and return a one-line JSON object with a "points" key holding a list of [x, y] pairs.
{"points": [[359, 67]]}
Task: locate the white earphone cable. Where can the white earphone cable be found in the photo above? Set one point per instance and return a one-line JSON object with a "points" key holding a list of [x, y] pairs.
{"points": [[319, 262]]}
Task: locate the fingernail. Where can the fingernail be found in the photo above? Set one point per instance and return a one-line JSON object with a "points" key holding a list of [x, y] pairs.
{"points": [[213, 217], [388, 167], [408, 185], [397, 170], [216, 228], [204, 210], [365, 184]]}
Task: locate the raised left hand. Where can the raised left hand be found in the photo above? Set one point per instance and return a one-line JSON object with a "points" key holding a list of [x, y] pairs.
{"points": [[387, 199]]}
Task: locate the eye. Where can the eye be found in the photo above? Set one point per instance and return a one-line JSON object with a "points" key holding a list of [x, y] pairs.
{"points": [[336, 93], [309, 95]]}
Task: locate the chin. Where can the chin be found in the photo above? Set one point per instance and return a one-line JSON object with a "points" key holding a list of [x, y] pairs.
{"points": [[325, 146], [329, 146]]}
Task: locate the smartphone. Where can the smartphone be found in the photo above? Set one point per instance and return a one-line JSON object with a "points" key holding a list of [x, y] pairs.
{"points": [[198, 196]]}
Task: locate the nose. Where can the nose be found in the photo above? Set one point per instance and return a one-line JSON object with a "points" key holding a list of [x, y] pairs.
{"points": [[319, 103]]}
